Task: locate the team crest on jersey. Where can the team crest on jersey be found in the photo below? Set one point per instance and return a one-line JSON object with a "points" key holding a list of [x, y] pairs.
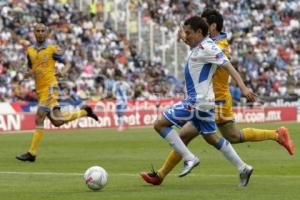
{"points": [[45, 58]]}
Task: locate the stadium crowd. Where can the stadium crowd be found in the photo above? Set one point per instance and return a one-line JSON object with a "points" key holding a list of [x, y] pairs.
{"points": [[264, 38]]}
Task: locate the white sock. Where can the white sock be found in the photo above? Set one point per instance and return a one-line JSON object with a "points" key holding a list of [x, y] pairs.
{"points": [[175, 141], [231, 155], [121, 121]]}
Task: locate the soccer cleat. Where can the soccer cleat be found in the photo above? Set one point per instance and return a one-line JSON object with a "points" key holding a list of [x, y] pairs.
{"points": [[26, 157], [245, 175], [90, 112], [151, 177], [285, 140], [188, 165]]}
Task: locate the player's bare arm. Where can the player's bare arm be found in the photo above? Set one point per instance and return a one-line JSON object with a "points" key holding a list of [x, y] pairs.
{"points": [[29, 73], [62, 73], [251, 96]]}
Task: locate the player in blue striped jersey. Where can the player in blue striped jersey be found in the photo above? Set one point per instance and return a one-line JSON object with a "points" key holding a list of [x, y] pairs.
{"points": [[122, 93], [198, 108]]}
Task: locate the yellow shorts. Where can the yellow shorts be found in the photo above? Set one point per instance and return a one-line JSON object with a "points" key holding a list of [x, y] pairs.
{"points": [[223, 110], [48, 98]]}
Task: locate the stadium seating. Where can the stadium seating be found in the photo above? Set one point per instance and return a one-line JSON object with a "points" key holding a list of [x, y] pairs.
{"points": [[264, 37]]}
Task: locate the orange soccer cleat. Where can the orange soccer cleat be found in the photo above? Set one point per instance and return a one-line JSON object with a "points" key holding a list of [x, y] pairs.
{"points": [[285, 140]]}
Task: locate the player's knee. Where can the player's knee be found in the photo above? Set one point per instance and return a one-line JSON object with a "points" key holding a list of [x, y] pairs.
{"points": [[160, 125], [157, 126], [233, 138], [57, 123], [185, 138], [231, 133]]}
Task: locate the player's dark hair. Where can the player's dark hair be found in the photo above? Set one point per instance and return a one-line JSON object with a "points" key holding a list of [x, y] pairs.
{"points": [[197, 23], [213, 16]]}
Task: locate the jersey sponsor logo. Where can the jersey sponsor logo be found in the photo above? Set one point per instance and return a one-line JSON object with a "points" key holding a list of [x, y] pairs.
{"points": [[220, 55]]}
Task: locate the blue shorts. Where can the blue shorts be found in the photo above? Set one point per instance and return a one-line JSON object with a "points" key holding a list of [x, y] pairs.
{"points": [[120, 109], [183, 112]]}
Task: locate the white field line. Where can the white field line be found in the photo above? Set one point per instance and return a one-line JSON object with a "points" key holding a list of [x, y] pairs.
{"points": [[134, 175]]}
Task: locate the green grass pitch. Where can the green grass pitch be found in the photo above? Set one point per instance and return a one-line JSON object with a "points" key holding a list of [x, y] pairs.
{"points": [[65, 155]]}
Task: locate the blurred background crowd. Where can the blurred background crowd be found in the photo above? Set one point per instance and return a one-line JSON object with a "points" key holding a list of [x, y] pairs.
{"points": [[264, 38]]}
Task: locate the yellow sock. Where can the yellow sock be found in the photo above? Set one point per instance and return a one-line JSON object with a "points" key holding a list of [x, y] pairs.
{"points": [[70, 116], [254, 135], [37, 136], [172, 160]]}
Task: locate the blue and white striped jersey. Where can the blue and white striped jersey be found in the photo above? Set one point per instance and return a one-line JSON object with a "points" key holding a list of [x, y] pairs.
{"points": [[199, 70], [120, 90]]}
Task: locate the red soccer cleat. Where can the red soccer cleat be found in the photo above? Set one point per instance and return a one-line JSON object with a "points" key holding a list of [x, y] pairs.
{"points": [[285, 140], [151, 178]]}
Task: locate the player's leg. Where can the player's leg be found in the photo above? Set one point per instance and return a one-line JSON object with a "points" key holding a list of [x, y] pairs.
{"points": [[45, 100], [230, 154], [205, 123], [176, 115], [41, 114], [120, 109], [227, 127], [85, 111], [59, 118], [234, 135], [225, 120], [163, 126], [225, 147], [187, 133], [230, 132], [281, 135]]}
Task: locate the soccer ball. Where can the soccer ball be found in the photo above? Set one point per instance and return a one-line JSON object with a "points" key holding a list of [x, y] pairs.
{"points": [[95, 177]]}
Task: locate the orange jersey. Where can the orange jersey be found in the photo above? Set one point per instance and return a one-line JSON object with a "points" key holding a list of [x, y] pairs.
{"points": [[42, 62], [221, 76]]}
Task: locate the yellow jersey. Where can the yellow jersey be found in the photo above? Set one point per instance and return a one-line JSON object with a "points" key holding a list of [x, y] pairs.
{"points": [[42, 61], [221, 76]]}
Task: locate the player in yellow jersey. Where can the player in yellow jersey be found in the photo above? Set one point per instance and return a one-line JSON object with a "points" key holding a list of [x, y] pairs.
{"points": [[223, 110], [41, 66]]}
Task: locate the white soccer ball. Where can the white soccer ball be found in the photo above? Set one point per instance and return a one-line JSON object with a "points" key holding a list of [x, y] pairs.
{"points": [[95, 177]]}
